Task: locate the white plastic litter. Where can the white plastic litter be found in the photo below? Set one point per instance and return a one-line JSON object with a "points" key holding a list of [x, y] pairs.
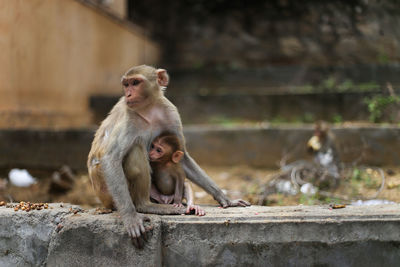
{"points": [[21, 178], [286, 187], [325, 159], [308, 189], [372, 202]]}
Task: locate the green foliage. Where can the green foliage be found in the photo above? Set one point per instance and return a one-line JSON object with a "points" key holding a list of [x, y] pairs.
{"points": [[329, 84], [308, 200], [346, 86], [337, 118], [362, 178], [305, 89], [278, 119], [356, 179], [383, 57], [357, 175], [307, 118], [332, 200], [377, 106], [368, 87], [225, 121], [370, 183]]}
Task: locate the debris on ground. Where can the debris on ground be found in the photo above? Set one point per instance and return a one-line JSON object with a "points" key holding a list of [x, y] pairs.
{"points": [[28, 206], [285, 187], [326, 175], [371, 202], [337, 206], [308, 189], [62, 181], [322, 180], [3, 184], [21, 178]]}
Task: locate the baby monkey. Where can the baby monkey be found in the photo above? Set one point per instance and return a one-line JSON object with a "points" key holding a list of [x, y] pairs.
{"points": [[168, 184]]}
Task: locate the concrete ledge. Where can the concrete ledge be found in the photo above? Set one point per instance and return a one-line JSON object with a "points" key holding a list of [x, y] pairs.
{"points": [[255, 236]]}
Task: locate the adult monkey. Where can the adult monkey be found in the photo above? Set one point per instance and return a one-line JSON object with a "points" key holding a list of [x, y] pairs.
{"points": [[118, 161]]}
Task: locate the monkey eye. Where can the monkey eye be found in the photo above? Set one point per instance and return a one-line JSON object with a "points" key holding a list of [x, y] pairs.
{"points": [[136, 82], [159, 150], [125, 84], [152, 146]]}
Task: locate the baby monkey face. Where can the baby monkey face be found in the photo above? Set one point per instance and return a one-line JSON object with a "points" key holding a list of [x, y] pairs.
{"points": [[159, 150]]}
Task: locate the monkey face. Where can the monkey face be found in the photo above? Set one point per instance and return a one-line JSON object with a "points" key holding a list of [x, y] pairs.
{"points": [[159, 151], [135, 90], [142, 84], [314, 144]]}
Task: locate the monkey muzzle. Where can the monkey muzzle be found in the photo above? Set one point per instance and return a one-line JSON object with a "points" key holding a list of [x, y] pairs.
{"points": [[314, 144]]}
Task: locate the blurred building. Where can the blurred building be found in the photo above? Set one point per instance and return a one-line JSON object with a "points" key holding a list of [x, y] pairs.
{"points": [[239, 35], [235, 60], [55, 54]]}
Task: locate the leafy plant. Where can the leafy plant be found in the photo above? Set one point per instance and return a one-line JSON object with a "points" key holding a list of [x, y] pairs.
{"points": [[308, 200], [329, 83], [357, 175], [345, 86], [361, 178], [337, 118], [377, 106], [308, 117], [224, 120]]}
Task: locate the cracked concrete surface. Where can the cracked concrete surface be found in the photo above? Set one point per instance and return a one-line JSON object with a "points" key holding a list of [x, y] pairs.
{"points": [[254, 236]]}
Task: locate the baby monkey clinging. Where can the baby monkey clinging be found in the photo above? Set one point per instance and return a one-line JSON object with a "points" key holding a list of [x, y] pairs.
{"points": [[168, 184]]}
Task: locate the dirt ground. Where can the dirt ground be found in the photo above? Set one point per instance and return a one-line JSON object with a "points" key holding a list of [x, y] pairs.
{"points": [[237, 182], [250, 184]]}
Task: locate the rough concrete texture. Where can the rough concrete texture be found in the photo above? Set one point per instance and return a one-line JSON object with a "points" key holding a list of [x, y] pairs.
{"points": [[58, 237], [253, 236], [101, 241]]}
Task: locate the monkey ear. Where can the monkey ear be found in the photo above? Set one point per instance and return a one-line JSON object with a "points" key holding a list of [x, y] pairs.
{"points": [[177, 156], [162, 77]]}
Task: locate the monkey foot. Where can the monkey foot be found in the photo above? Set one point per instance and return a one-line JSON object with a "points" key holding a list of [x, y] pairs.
{"points": [[103, 211]]}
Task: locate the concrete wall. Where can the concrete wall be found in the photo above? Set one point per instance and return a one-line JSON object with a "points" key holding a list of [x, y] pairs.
{"points": [[261, 146], [54, 54], [253, 236], [265, 146], [235, 35]]}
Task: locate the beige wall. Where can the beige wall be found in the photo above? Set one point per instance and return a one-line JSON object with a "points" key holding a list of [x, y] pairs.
{"points": [[118, 7], [54, 54]]}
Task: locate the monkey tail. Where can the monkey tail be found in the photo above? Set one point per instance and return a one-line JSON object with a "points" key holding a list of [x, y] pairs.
{"points": [[161, 209]]}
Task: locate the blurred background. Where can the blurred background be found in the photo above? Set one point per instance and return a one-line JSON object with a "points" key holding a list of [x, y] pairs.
{"points": [[250, 79]]}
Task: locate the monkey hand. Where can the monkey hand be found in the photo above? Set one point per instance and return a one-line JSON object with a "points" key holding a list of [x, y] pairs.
{"points": [[134, 223], [194, 209], [225, 203]]}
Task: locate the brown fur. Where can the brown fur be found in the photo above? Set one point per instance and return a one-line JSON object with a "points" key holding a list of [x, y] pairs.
{"points": [[168, 176]]}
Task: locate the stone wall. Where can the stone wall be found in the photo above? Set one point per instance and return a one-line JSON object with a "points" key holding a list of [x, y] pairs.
{"points": [[259, 146], [234, 34]]}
